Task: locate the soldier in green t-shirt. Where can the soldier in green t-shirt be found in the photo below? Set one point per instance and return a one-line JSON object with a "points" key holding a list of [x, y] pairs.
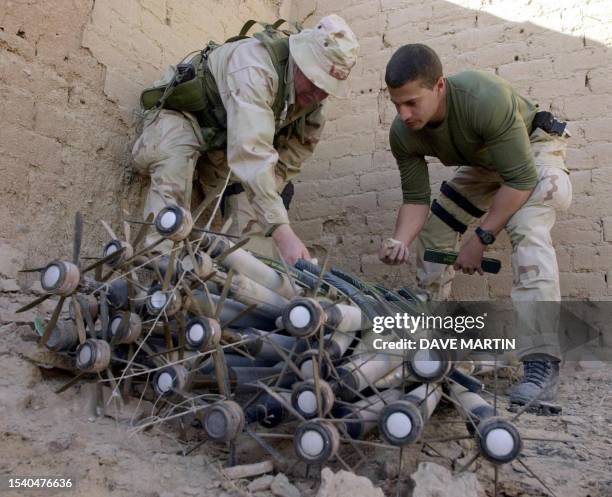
{"points": [[510, 174]]}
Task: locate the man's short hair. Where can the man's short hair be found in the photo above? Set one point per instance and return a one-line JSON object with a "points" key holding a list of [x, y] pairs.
{"points": [[413, 62]]}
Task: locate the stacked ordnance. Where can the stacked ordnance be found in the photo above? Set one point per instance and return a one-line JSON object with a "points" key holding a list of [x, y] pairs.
{"points": [[245, 343]]}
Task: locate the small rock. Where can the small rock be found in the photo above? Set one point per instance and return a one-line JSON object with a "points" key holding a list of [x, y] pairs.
{"points": [[466, 445], [281, 487], [575, 425], [427, 451], [228, 485], [433, 480], [261, 483], [346, 484], [573, 420], [107, 461]]}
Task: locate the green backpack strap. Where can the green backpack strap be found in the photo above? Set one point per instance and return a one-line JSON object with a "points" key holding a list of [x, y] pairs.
{"points": [[276, 42], [246, 27], [278, 49], [278, 23]]}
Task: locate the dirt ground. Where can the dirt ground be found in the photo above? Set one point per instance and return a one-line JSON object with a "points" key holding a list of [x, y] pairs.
{"points": [[47, 434]]}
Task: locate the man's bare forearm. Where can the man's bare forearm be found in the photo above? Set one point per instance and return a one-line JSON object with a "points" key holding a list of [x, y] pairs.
{"points": [[410, 220], [505, 204]]}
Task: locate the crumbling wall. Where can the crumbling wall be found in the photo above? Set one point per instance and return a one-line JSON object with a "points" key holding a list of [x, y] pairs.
{"points": [[71, 73], [70, 76], [555, 52]]}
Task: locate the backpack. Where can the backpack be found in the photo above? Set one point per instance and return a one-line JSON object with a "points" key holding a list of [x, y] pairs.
{"points": [[192, 87]]}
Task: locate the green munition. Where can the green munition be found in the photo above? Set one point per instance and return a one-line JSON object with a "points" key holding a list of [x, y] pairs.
{"points": [[489, 265]]}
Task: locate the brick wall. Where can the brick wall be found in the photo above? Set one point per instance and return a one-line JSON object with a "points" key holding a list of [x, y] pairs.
{"points": [[70, 77], [71, 73], [555, 52]]}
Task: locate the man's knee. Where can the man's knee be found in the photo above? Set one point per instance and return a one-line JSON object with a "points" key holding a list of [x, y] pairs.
{"points": [[167, 141]]}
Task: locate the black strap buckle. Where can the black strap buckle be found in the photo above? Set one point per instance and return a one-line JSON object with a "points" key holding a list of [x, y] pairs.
{"points": [[184, 72]]}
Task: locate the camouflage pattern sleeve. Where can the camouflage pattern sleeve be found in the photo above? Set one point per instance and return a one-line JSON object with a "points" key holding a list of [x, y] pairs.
{"points": [[251, 156], [293, 152]]}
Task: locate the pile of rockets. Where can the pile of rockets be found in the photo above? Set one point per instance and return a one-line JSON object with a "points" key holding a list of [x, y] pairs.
{"points": [[244, 343]]}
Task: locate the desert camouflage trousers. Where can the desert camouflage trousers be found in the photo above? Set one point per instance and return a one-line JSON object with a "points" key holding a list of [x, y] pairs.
{"points": [[169, 151], [534, 262]]}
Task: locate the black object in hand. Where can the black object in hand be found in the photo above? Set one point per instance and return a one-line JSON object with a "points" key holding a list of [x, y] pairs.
{"points": [[488, 265]]}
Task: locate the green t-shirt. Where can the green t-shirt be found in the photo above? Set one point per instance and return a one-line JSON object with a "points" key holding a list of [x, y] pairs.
{"points": [[487, 125]]}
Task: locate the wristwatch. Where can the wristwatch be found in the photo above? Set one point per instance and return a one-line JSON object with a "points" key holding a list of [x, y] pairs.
{"points": [[486, 237]]}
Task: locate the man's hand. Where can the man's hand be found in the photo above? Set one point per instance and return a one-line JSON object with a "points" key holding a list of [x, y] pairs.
{"points": [[470, 256], [393, 252], [505, 204], [410, 220], [289, 245]]}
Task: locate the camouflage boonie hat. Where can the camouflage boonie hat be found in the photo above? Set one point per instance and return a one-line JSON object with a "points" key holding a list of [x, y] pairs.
{"points": [[326, 54]]}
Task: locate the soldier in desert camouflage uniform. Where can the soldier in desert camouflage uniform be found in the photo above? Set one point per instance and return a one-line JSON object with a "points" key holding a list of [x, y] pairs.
{"points": [[511, 173], [255, 115]]}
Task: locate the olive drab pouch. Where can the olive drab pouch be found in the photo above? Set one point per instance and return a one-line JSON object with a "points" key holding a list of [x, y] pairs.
{"points": [[192, 87], [186, 90]]}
